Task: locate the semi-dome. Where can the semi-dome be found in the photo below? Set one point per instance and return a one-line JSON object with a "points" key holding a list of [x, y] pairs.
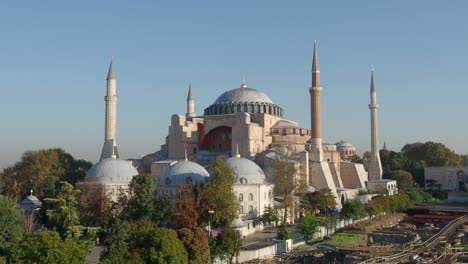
{"points": [[243, 99], [183, 171], [247, 171], [111, 171]]}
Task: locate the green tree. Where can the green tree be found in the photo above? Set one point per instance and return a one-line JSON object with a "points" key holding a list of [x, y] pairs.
{"points": [[319, 200], [404, 179], [432, 153], [309, 226], [353, 209], [62, 211], [196, 244], [117, 250], [282, 232], [11, 222], [229, 244], [270, 215], [40, 170], [47, 246], [141, 203], [220, 195]]}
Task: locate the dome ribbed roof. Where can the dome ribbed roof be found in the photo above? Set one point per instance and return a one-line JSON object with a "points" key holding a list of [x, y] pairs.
{"points": [[111, 171], [247, 171], [343, 144], [183, 171], [31, 200], [243, 95]]}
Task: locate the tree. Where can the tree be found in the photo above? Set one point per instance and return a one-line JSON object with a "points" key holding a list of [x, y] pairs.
{"points": [[196, 244], [220, 195], [141, 203], [270, 215], [308, 226], [47, 246], [95, 205], [319, 200], [228, 243], [116, 245], [40, 170], [190, 205], [353, 209], [373, 208], [10, 224], [282, 231], [284, 177], [432, 153], [62, 211], [404, 179]]}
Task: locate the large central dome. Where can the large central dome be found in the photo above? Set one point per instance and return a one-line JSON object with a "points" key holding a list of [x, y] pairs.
{"points": [[243, 95], [243, 99]]}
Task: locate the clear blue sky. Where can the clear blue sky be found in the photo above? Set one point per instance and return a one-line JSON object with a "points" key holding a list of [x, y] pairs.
{"points": [[54, 57]]}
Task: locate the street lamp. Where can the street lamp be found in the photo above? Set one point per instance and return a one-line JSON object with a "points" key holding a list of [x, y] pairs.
{"points": [[211, 212]]}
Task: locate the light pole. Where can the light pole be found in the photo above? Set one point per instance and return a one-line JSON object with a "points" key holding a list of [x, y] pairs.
{"points": [[211, 212]]}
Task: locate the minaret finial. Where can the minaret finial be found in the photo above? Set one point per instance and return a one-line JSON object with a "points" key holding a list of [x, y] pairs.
{"points": [[315, 62], [244, 84], [185, 155], [31, 191], [237, 151], [113, 153]]}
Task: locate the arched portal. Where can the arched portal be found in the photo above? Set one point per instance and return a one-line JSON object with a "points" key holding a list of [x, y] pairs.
{"points": [[218, 140]]}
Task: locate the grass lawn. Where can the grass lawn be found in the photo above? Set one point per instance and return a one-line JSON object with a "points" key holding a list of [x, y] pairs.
{"points": [[347, 239]]}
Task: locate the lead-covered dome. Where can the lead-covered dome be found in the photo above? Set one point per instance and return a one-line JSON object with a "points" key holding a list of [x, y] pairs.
{"points": [[111, 171], [243, 99], [183, 171], [247, 171]]}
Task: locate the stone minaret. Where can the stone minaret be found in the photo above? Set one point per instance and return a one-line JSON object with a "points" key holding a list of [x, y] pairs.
{"points": [[190, 103], [316, 152], [375, 166], [110, 145]]}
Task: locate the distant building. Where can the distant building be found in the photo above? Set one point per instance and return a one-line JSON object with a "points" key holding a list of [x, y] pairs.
{"points": [[446, 178]]}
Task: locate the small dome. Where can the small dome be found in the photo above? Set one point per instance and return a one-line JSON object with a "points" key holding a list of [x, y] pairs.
{"points": [[111, 171], [243, 95], [31, 200], [343, 144], [285, 124], [247, 171], [184, 171]]}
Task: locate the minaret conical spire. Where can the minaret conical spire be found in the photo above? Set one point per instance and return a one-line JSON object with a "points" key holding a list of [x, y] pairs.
{"points": [[111, 72], [190, 103], [315, 61]]}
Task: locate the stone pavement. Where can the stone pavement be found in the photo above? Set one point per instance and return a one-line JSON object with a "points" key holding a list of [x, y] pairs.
{"points": [[262, 239], [93, 257]]}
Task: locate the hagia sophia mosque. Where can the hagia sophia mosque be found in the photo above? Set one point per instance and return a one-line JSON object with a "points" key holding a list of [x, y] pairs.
{"points": [[249, 129]]}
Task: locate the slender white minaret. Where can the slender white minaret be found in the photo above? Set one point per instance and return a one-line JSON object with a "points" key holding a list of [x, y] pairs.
{"points": [[190, 103], [375, 166], [110, 145], [316, 152]]}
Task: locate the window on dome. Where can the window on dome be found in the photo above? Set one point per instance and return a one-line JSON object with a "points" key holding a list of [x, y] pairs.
{"points": [[243, 180], [189, 180], [168, 181], [250, 197]]}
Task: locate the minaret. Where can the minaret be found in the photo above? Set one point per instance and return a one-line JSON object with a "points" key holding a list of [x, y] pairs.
{"points": [[316, 152], [190, 103], [109, 150], [375, 166]]}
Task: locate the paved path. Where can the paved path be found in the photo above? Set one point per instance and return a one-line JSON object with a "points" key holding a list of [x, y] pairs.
{"points": [[93, 257], [262, 239]]}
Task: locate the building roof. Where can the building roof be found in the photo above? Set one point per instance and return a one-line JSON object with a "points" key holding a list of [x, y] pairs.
{"points": [[111, 171], [183, 171], [31, 200], [247, 171], [343, 144]]}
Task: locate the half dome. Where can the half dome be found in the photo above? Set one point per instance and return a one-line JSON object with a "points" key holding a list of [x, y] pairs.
{"points": [[111, 171]]}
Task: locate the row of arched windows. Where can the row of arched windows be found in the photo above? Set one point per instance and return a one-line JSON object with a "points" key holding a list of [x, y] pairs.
{"points": [[241, 197], [217, 109], [241, 209]]}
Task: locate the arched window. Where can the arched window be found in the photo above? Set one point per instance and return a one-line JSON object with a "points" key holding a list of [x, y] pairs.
{"points": [[269, 195], [189, 180], [243, 180], [241, 209], [250, 197], [241, 197], [168, 181], [250, 209]]}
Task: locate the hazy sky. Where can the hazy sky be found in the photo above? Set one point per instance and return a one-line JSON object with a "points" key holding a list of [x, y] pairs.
{"points": [[54, 57]]}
